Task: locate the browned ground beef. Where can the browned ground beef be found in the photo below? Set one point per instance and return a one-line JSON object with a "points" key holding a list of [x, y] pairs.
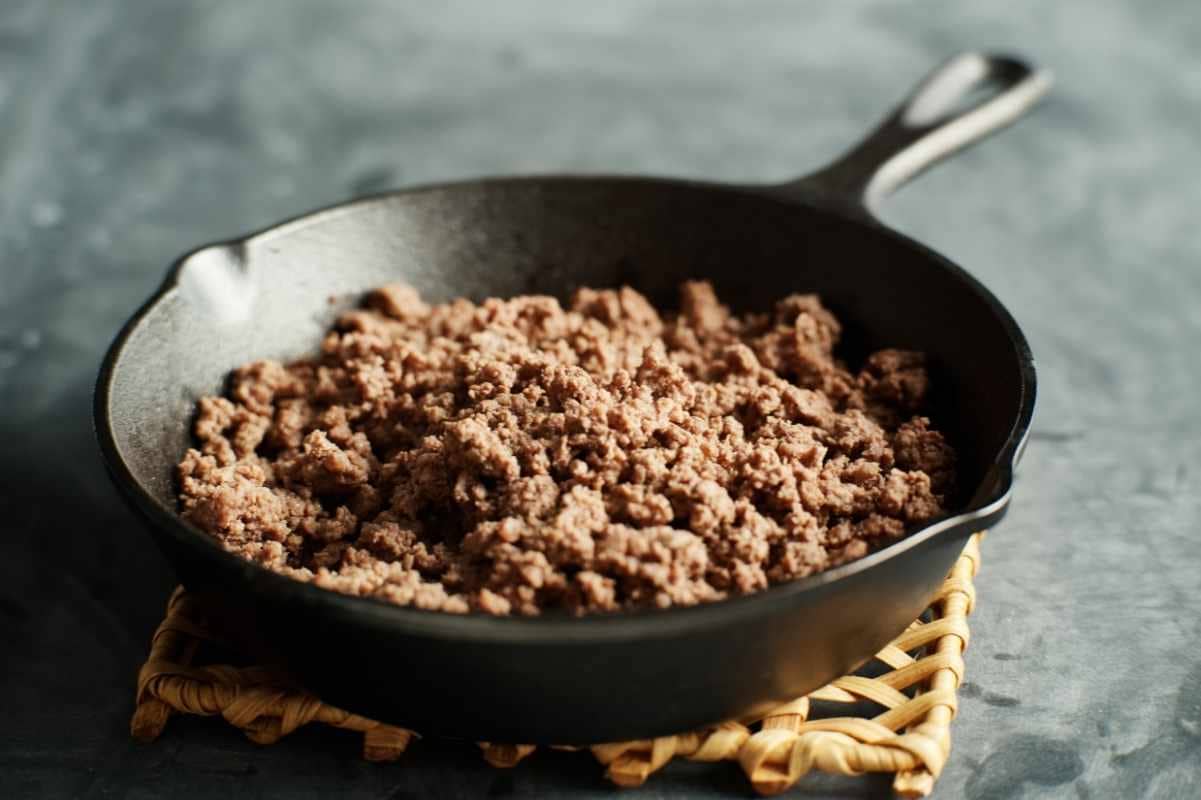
{"points": [[513, 457]]}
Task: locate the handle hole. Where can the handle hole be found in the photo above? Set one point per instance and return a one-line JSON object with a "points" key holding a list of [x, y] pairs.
{"points": [[976, 96], [961, 85]]}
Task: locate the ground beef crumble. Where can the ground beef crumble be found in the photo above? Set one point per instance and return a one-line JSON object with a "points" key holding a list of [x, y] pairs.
{"points": [[512, 457]]}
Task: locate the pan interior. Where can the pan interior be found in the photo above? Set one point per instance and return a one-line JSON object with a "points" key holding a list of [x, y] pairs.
{"points": [[274, 294]]}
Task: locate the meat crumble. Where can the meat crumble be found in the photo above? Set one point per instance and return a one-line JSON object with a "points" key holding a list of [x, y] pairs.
{"points": [[513, 456]]}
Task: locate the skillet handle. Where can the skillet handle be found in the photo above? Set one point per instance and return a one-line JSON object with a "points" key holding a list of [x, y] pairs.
{"points": [[928, 126]]}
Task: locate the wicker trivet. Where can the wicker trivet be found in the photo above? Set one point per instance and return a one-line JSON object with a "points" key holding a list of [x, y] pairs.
{"points": [[911, 737]]}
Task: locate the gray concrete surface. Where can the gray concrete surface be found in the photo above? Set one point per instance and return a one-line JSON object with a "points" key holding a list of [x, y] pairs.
{"points": [[132, 131]]}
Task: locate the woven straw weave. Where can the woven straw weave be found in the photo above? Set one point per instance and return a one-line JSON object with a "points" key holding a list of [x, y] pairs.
{"points": [[910, 737]]}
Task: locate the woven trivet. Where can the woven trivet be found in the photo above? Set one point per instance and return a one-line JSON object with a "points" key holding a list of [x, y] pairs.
{"points": [[914, 680]]}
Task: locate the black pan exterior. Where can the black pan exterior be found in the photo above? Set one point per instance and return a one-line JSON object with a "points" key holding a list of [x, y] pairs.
{"points": [[556, 679]]}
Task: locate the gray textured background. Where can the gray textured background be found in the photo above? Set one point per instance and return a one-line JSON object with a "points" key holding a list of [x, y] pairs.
{"points": [[132, 131]]}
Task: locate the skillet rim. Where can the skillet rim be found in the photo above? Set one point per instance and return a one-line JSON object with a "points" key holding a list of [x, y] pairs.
{"points": [[980, 513]]}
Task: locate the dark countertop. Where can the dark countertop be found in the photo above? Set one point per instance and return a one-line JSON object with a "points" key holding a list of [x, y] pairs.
{"points": [[133, 131]]}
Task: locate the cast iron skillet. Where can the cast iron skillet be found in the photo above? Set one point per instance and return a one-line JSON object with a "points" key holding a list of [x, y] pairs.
{"points": [[558, 679]]}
